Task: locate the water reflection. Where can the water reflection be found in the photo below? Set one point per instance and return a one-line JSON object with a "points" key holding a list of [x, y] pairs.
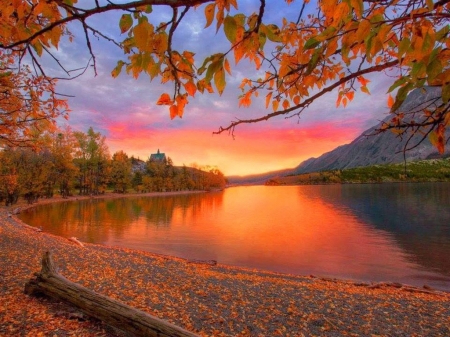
{"points": [[363, 232], [417, 215]]}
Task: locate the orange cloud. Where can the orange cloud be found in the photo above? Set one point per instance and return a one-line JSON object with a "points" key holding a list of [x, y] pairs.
{"points": [[253, 150]]}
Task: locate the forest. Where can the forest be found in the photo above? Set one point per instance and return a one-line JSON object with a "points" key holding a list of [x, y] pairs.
{"points": [[67, 162]]}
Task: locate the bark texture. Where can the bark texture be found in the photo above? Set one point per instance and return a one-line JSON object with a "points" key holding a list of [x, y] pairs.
{"points": [[124, 317]]}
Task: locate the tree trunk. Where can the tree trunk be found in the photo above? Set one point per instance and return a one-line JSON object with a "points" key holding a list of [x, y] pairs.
{"points": [[49, 282]]}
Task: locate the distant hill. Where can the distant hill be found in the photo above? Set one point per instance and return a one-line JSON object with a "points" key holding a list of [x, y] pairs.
{"points": [[365, 150], [257, 179], [415, 171], [384, 148]]}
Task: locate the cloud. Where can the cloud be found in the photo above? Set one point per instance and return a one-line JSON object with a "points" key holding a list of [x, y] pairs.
{"points": [[124, 109], [253, 150]]}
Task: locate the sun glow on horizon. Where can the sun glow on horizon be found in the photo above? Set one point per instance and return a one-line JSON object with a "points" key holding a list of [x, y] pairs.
{"points": [[250, 152]]}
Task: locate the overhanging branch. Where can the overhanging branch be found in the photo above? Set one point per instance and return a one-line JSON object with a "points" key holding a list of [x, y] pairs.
{"points": [[301, 106]]}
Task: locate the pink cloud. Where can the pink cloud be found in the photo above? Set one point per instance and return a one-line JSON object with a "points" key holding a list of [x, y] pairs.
{"points": [[253, 150]]}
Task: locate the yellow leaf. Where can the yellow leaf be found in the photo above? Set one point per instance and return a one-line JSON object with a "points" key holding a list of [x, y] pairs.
{"points": [[275, 104], [141, 34], [268, 97], [116, 71], [230, 28], [219, 80], [38, 47], [358, 7], [365, 90], [125, 23], [209, 13]]}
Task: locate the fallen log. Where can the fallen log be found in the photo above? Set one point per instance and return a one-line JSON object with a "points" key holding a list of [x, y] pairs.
{"points": [[119, 315]]}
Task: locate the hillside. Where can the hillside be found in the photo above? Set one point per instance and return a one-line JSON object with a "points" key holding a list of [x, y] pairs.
{"points": [[384, 148], [367, 149], [418, 171]]}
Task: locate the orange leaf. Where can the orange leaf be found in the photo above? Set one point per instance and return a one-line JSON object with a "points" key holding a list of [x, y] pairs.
{"points": [[246, 101], [275, 104], [181, 102], [209, 14], [350, 95], [164, 100], [344, 102], [173, 111], [338, 101], [363, 80], [191, 88], [268, 97], [390, 101], [226, 65]]}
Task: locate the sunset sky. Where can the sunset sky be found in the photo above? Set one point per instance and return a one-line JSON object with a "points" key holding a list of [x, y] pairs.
{"points": [[125, 110]]}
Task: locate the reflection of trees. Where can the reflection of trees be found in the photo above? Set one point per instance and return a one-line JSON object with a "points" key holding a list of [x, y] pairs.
{"points": [[95, 220], [159, 210], [416, 214]]}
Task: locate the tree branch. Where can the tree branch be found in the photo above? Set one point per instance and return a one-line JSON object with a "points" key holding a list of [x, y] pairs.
{"points": [[307, 102], [77, 16]]}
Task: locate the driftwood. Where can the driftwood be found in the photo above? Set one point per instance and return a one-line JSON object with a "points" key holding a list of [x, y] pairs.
{"points": [[124, 317], [75, 240]]}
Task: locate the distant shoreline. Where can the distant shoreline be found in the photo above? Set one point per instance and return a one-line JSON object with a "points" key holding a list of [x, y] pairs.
{"points": [[23, 205]]}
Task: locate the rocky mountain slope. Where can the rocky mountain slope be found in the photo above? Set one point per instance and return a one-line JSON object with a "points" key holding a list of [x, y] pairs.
{"points": [[367, 149]]}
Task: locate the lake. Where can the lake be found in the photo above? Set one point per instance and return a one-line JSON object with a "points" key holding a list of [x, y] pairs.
{"points": [[367, 232]]}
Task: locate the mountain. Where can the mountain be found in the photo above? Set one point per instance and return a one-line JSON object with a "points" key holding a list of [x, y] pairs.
{"points": [[383, 148], [367, 149], [257, 179]]}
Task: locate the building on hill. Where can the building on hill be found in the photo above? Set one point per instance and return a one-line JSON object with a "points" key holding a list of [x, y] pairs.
{"points": [[158, 157]]}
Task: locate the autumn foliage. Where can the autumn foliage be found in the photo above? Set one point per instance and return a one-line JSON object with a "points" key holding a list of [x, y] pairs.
{"points": [[328, 45]]}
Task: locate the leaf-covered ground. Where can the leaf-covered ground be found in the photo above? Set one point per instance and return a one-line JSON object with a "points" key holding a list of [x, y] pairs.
{"points": [[209, 300]]}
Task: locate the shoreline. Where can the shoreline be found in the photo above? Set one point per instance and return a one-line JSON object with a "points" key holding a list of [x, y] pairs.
{"points": [[24, 206], [208, 299]]}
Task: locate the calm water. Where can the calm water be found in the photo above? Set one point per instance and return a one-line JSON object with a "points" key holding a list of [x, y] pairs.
{"points": [[388, 232]]}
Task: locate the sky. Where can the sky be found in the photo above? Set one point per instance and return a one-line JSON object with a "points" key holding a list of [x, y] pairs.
{"points": [[125, 111]]}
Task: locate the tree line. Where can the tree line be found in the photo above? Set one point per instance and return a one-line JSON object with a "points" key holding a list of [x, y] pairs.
{"points": [[70, 162]]}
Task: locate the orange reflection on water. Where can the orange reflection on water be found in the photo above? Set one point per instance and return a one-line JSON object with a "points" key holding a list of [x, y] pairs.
{"points": [[298, 231], [292, 229]]}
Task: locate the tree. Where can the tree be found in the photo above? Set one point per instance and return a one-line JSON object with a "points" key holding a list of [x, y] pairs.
{"points": [[329, 45], [91, 158], [62, 147], [120, 172], [9, 178], [27, 102]]}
